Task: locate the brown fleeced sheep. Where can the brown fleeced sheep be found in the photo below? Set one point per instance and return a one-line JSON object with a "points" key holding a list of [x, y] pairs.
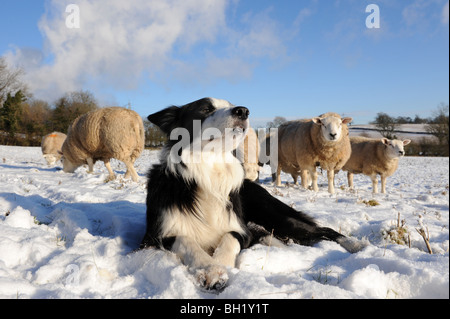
{"points": [[248, 153], [374, 157], [51, 146], [112, 132], [305, 144]]}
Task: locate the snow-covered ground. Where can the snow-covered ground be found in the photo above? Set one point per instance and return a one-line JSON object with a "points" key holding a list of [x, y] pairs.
{"points": [[75, 236]]}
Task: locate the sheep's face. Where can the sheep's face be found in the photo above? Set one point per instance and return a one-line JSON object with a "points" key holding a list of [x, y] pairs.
{"points": [[51, 158], [68, 166], [395, 148], [331, 127]]}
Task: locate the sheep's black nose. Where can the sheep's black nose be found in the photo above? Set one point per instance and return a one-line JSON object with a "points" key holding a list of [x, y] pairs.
{"points": [[401, 153], [240, 112], [333, 136]]}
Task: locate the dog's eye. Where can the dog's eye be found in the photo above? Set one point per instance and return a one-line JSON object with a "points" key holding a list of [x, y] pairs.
{"points": [[207, 109]]}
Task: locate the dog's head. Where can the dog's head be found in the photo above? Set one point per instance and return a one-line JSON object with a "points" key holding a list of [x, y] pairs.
{"points": [[207, 120]]}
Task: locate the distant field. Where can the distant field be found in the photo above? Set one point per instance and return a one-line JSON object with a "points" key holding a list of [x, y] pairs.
{"points": [[404, 131]]}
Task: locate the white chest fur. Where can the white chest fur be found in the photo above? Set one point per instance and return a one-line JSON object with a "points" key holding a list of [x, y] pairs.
{"points": [[216, 175]]}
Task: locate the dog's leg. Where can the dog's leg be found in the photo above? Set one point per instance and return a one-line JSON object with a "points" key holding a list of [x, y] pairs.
{"points": [[191, 253], [227, 251], [209, 273], [263, 209]]}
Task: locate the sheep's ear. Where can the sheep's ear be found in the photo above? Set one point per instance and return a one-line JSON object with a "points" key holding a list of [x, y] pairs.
{"points": [[59, 152], [406, 142], [347, 120], [165, 119], [385, 141], [317, 120]]}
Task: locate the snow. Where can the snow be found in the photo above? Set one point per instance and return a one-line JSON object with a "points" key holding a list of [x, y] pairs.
{"points": [[75, 236]]}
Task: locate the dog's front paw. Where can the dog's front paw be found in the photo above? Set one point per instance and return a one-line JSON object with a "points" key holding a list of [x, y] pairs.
{"points": [[214, 277]]}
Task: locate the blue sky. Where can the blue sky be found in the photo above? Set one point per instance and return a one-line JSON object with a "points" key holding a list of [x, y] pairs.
{"points": [[295, 59]]}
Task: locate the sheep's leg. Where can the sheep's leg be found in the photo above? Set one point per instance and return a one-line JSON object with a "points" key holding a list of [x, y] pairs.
{"points": [[314, 177], [304, 176], [274, 177], [90, 162], [373, 177], [307, 179], [330, 175], [383, 184], [127, 173], [111, 176], [278, 176], [350, 180], [131, 171], [295, 178]]}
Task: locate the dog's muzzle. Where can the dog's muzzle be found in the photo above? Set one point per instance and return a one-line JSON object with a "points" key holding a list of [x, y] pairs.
{"points": [[240, 112]]}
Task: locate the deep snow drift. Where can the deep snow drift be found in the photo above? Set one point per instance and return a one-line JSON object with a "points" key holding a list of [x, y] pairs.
{"points": [[74, 236]]}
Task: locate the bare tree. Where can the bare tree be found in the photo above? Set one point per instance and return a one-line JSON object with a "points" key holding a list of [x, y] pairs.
{"points": [[439, 125], [386, 125], [277, 121], [10, 80]]}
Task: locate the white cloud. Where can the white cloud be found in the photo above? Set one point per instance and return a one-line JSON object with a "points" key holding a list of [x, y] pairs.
{"points": [[421, 12], [262, 37], [414, 12], [119, 41], [445, 11]]}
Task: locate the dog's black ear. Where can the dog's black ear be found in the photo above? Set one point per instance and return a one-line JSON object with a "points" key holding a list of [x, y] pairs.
{"points": [[166, 119]]}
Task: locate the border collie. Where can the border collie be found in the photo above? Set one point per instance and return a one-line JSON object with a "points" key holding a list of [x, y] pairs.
{"points": [[200, 207]]}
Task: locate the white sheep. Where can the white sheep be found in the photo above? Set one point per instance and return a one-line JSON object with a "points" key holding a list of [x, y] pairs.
{"points": [[51, 146], [248, 153], [304, 145], [374, 157], [112, 132]]}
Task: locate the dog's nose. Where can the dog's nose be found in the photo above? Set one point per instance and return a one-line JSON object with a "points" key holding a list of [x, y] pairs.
{"points": [[240, 112]]}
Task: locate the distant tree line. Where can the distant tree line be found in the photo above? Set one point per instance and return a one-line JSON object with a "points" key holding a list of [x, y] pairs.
{"points": [[154, 137], [24, 120], [437, 125]]}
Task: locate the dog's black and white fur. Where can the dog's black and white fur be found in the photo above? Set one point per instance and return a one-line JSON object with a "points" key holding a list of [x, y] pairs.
{"points": [[200, 207]]}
